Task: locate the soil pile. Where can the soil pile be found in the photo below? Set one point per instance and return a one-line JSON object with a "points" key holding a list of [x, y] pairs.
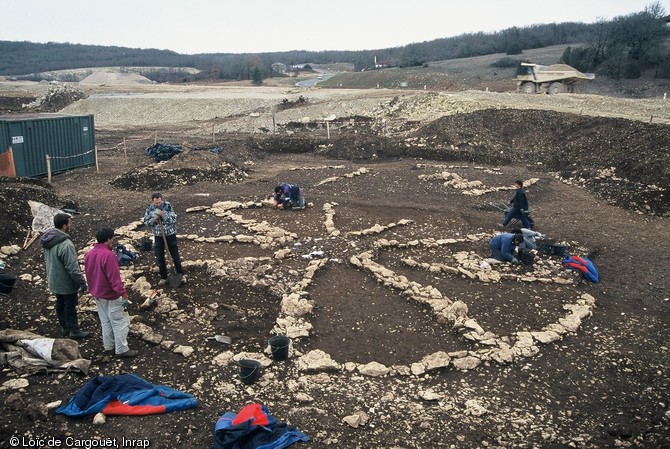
{"points": [[14, 196], [115, 78], [183, 169], [55, 98]]}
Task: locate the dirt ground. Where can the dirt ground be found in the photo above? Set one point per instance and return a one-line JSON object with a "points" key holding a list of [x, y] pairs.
{"points": [[418, 346]]}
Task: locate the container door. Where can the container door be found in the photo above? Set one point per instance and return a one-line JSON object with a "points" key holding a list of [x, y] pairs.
{"points": [[18, 133]]}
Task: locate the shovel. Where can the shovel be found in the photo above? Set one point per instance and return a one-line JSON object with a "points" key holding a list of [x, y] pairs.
{"points": [[220, 339], [174, 279]]}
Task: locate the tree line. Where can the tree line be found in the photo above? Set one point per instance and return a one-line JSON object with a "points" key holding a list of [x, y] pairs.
{"points": [[624, 47]]}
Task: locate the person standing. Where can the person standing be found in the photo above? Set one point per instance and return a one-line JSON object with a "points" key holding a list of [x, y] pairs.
{"points": [[64, 277], [518, 206], [162, 220], [104, 279]]}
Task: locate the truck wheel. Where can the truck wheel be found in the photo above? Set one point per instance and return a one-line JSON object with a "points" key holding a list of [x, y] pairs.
{"points": [[528, 88], [555, 88]]}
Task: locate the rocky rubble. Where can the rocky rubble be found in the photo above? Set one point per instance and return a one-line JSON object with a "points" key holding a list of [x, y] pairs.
{"points": [[55, 99]]}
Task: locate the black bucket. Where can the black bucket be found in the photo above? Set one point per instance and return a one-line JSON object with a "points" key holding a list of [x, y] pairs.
{"points": [[559, 250], [250, 370], [7, 282], [547, 248], [526, 256], [279, 346]]}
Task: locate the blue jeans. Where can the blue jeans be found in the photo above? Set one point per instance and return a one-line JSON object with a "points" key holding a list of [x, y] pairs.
{"points": [[516, 213]]}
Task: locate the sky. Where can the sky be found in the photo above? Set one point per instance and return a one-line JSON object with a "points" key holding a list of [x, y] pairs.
{"points": [[261, 26]]}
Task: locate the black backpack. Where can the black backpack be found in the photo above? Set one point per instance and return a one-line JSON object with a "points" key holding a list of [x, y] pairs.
{"points": [[145, 244]]}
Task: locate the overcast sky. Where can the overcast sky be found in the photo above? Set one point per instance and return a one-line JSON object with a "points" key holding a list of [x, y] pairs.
{"points": [[256, 26]]}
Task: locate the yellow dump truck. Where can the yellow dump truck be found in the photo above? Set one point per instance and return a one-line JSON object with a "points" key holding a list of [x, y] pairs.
{"points": [[553, 79]]}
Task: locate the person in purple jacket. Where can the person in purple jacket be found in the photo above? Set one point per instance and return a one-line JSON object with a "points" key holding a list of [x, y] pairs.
{"points": [[104, 282], [288, 196]]}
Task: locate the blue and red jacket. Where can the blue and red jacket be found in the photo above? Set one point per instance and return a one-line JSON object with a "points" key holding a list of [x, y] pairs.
{"points": [[583, 265], [126, 394], [254, 427]]}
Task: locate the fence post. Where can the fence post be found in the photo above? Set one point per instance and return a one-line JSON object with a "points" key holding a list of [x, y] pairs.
{"points": [[328, 128], [97, 167], [155, 137], [125, 150], [213, 138], [274, 124], [48, 168]]}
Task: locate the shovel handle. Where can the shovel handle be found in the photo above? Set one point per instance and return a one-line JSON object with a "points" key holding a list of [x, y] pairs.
{"points": [[165, 238]]}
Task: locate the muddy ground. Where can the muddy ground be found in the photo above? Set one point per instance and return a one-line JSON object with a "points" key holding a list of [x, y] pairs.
{"points": [[404, 199]]}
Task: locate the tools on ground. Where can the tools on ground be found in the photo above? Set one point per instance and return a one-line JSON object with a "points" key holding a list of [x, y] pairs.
{"points": [[30, 238], [151, 300]]}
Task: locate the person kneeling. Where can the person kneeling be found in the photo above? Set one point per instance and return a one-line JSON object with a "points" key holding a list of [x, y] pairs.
{"points": [[288, 196], [503, 247]]}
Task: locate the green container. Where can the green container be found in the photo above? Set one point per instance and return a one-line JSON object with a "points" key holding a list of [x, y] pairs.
{"points": [[69, 141]]}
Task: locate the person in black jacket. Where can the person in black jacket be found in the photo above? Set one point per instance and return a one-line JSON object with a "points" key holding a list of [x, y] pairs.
{"points": [[518, 207]]}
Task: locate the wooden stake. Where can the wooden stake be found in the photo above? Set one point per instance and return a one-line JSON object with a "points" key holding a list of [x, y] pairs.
{"points": [[25, 241], [213, 138], [125, 150], [155, 137], [97, 167], [48, 168], [328, 128]]}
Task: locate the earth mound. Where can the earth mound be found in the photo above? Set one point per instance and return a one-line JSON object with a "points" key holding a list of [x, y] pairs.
{"points": [[14, 196], [185, 168], [114, 78]]}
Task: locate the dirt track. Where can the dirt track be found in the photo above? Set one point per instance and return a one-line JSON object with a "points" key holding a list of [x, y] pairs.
{"points": [[604, 383]]}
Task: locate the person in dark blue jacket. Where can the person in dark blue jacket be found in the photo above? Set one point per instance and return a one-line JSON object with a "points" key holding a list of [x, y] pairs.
{"points": [[503, 246], [518, 207], [289, 196]]}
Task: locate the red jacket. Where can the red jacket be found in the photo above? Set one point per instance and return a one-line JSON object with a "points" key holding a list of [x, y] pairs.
{"points": [[102, 273]]}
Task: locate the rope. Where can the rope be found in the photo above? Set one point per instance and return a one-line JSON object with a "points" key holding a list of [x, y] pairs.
{"points": [[69, 157]]}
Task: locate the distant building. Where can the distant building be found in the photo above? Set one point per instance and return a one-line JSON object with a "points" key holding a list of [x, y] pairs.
{"points": [[391, 62]]}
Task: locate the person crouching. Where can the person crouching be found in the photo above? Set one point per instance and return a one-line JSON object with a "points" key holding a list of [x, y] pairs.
{"points": [[288, 196], [503, 246]]}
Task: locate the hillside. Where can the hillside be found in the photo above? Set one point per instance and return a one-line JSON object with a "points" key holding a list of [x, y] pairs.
{"points": [[480, 73]]}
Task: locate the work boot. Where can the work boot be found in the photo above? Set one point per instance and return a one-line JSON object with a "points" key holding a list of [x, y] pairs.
{"points": [[79, 334], [75, 332], [128, 354], [64, 329]]}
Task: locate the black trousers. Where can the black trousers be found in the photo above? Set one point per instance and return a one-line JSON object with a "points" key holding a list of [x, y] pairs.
{"points": [[159, 250]]}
